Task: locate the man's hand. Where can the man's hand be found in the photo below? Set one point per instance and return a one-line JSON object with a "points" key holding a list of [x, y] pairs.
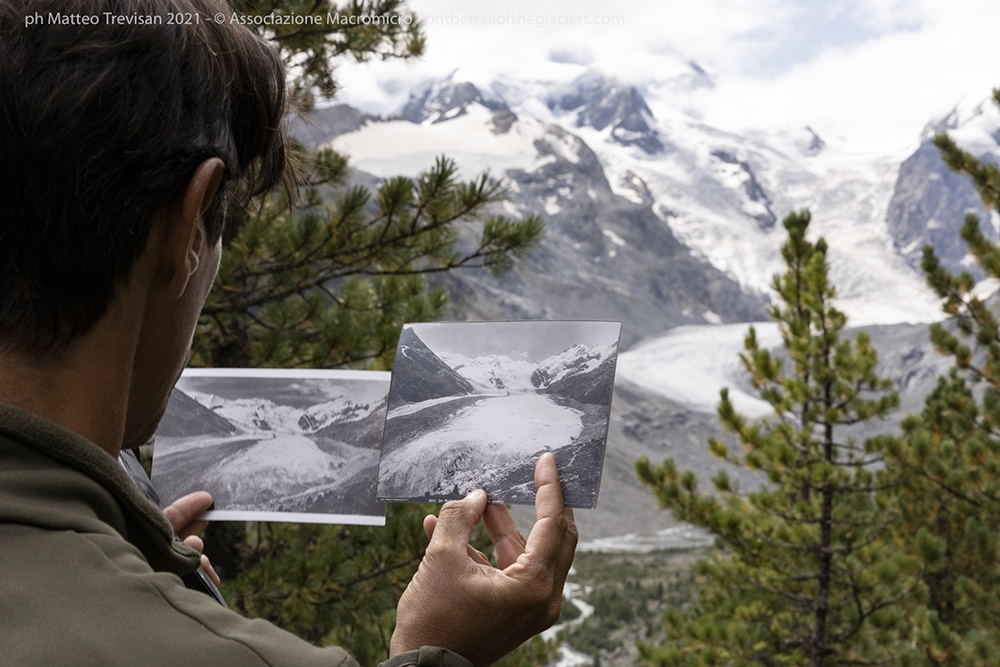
{"points": [[458, 601], [183, 515]]}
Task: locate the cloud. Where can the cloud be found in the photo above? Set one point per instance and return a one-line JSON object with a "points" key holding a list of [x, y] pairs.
{"points": [[870, 73], [878, 93]]}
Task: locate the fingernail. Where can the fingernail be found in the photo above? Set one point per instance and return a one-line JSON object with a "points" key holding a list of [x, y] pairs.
{"points": [[475, 494]]}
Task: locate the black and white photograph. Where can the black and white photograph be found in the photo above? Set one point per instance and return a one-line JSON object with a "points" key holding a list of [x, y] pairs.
{"points": [[475, 404], [275, 445]]}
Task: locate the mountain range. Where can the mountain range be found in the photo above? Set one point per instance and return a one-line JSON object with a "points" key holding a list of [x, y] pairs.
{"points": [[196, 413], [657, 218], [583, 373], [663, 221]]}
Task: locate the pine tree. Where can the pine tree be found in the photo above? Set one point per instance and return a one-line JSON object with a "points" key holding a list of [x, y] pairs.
{"points": [[803, 575], [950, 454], [358, 30], [328, 283], [949, 517]]}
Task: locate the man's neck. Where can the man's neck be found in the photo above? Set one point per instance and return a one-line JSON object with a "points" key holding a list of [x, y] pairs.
{"points": [[84, 390]]}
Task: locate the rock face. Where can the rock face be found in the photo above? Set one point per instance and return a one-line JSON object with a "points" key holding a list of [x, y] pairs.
{"points": [[751, 187], [426, 375], [593, 387], [187, 417], [928, 206], [602, 102], [604, 256]]}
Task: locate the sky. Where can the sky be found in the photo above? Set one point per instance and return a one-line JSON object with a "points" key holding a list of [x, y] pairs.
{"points": [[528, 341], [867, 74]]}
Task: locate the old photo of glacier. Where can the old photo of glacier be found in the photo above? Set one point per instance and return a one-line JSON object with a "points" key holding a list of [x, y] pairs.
{"points": [[475, 404], [275, 445]]}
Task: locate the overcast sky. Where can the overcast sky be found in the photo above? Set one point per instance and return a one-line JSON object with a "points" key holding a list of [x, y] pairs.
{"points": [[866, 73]]}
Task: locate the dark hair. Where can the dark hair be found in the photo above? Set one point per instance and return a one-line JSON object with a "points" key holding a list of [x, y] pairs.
{"points": [[101, 125]]}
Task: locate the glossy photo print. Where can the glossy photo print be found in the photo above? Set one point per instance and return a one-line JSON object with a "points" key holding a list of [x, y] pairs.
{"points": [[475, 404], [275, 445]]}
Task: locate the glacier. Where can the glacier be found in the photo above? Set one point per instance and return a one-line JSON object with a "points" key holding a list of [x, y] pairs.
{"points": [[702, 197]]}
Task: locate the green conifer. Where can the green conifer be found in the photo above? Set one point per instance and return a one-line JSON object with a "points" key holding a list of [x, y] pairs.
{"points": [[802, 575], [949, 505]]}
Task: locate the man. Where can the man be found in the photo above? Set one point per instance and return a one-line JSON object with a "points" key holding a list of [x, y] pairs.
{"points": [[121, 143]]}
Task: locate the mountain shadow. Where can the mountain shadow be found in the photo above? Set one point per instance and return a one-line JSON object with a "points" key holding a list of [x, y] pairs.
{"points": [[420, 375], [186, 417]]}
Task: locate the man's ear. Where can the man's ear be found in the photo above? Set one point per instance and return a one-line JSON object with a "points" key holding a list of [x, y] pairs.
{"points": [[184, 232]]}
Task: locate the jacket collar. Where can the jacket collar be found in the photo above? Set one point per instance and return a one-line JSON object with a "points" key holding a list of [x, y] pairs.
{"points": [[99, 497]]}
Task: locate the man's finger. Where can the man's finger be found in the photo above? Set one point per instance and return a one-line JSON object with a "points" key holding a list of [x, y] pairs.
{"points": [[508, 543], [456, 520], [183, 513], [430, 522], [478, 556], [206, 565], [553, 537], [195, 543]]}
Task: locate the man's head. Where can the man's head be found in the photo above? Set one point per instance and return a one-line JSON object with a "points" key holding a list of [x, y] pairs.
{"points": [[102, 126]]}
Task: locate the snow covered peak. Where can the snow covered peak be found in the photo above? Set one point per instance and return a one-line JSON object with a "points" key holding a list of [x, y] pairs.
{"points": [[567, 147], [493, 373], [600, 102], [438, 101], [252, 414], [698, 78], [574, 360], [808, 142], [501, 374], [339, 410], [261, 414], [973, 124]]}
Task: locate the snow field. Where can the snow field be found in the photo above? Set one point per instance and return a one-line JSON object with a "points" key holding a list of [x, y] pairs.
{"points": [[691, 364], [400, 147], [517, 425], [282, 466], [296, 458]]}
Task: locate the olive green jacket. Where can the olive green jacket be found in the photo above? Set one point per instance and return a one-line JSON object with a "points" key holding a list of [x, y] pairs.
{"points": [[89, 571]]}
